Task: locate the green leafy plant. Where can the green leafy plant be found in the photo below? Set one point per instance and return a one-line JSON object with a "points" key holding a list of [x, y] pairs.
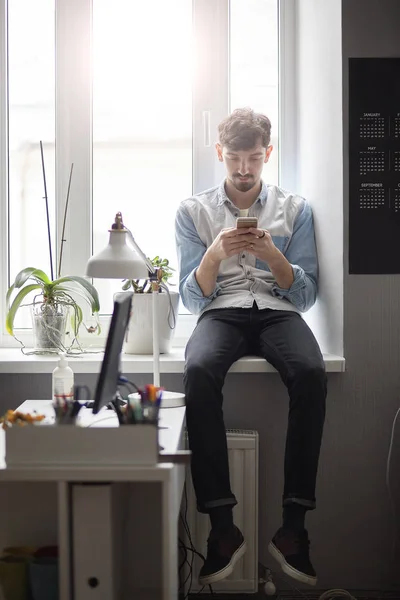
{"points": [[143, 286], [57, 297], [51, 295]]}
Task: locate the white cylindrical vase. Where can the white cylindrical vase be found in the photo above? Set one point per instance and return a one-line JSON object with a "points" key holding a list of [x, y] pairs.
{"points": [[139, 338]]}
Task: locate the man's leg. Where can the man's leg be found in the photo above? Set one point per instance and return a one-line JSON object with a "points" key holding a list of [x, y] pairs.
{"points": [[288, 344], [216, 343]]}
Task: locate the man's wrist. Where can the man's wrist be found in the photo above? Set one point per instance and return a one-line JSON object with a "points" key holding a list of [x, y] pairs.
{"points": [[210, 260], [276, 259], [282, 270]]}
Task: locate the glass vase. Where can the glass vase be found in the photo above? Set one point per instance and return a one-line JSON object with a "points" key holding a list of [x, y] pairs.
{"points": [[49, 322]]}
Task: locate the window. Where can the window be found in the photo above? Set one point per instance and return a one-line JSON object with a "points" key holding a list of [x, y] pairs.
{"points": [[254, 65], [139, 92], [142, 122], [31, 119]]}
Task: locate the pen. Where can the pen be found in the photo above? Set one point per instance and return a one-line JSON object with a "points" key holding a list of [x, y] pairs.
{"points": [[76, 407]]}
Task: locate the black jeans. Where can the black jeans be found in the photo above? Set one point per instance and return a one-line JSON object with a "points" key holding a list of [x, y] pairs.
{"points": [[283, 338]]}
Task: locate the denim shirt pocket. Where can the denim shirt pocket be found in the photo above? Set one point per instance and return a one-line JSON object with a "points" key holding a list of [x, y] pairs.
{"points": [[281, 243]]}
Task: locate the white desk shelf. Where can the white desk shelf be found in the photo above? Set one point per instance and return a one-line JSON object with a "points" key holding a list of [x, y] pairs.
{"points": [[127, 505], [47, 444]]}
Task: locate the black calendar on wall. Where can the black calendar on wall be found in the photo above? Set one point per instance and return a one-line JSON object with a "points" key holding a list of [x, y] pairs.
{"points": [[374, 165]]}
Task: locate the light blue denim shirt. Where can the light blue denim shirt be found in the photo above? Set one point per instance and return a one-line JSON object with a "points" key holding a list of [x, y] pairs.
{"points": [[242, 278]]}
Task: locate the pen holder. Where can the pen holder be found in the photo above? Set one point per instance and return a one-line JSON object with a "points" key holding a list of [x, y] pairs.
{"points": [[66, 413], [143, 412]]}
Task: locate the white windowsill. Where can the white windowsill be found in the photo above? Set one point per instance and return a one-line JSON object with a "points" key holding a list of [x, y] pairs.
{"points": [[13, 361]]}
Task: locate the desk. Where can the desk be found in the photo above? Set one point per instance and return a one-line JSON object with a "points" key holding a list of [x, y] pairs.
{"points": [[116, 525]]}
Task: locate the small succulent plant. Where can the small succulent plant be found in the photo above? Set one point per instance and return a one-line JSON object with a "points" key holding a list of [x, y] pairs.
{"points": [[143, 286]]}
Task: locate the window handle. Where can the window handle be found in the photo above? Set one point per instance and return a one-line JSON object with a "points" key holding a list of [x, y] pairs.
{"points": [[206, 128]]}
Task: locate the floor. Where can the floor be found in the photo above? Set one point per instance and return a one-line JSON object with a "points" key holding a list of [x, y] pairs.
{"points": [[313, 595], [209, 596]]}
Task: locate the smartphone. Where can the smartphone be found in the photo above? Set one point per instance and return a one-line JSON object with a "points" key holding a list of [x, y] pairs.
{"points": [[246, 222]]}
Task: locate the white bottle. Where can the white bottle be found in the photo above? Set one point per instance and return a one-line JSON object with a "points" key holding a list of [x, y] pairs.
{"points": [[63, 381]]}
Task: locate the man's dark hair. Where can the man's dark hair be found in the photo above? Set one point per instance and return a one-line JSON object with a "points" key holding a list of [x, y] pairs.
{"points": [[243, 129]]}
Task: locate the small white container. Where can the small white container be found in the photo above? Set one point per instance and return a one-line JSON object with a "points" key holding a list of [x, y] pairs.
{"points": [[62, 381], [139, 337], [168, 399]]}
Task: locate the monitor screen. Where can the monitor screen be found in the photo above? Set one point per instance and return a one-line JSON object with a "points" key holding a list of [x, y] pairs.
{"points": [[107, 382]]}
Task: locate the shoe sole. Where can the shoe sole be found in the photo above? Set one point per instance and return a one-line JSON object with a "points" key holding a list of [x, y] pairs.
{"points": [[226, 571], [288, 569]]}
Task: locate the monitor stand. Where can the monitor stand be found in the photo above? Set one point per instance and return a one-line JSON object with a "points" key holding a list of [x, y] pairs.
{"points": [[110, 406]]}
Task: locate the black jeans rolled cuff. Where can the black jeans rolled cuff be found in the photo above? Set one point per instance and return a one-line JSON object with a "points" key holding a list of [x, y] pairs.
{"points": [[207, 506], [309, 504]]}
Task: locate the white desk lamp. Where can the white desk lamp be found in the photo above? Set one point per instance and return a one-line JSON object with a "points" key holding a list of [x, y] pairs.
{"points": [[122, 261]]}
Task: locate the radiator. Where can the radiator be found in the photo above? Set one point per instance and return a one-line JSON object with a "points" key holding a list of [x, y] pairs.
{"points": [[243, 463]]}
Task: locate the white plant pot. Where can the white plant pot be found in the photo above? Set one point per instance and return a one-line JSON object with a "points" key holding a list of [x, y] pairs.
{"points": [[139, 339]]}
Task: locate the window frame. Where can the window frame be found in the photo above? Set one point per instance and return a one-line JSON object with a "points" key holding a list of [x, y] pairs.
{"points": [[73, 93], [287, 125], [74, 130], [3, 168]]}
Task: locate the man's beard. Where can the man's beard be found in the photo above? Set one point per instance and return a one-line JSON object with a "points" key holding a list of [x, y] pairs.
{"points": [[243, 186]]}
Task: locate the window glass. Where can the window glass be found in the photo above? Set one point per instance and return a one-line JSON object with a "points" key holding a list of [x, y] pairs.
{"points": [[142, 122], [254, 65], [31, 114]]}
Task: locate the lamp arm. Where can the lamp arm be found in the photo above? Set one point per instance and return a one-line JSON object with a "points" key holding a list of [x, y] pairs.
{"points": [[142, 255]]}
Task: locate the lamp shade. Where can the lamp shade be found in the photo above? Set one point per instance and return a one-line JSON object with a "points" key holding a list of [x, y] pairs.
{"points": [[118, 260]]}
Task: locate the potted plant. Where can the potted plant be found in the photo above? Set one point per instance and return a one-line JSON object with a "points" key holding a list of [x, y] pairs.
{"points": [[139, 339], [56, 299], [51, 306]]}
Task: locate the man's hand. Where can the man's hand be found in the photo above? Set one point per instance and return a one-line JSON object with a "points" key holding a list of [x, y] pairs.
{"points": [[264, 248], [229, 242], [233, 241], [260, 244]]}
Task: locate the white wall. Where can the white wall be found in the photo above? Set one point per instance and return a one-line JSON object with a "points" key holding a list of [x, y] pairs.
{"points": [[319, 157]]}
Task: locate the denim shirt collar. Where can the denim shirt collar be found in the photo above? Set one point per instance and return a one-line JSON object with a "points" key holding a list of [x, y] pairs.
{"points": [[223, 198]]}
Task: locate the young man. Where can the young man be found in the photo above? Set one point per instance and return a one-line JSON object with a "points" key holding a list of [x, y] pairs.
{"points": [[249, 286]]}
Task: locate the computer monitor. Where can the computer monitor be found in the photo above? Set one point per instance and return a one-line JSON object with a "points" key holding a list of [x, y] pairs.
{"points": [[107, 382]]}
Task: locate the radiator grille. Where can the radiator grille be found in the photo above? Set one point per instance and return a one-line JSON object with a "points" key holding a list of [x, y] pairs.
{"points": [[243, 464]]}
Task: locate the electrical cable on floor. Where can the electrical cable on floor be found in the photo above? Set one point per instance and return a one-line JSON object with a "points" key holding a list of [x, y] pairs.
{"points": [[185, 562], [328, 595], [192, 549], [271, 575], [183, 548], [332, 594]]}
